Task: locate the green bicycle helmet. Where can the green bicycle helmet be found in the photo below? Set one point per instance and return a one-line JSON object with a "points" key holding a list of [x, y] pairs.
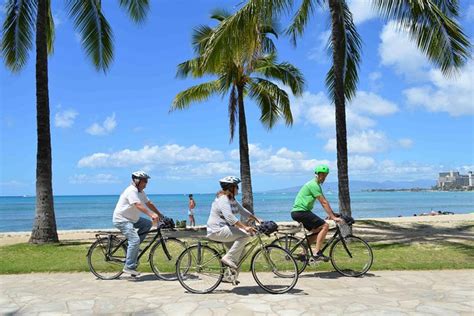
{"points": [[321, 168]]}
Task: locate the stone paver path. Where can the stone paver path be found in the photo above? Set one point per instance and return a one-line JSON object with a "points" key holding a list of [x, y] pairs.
{"points": [[380, 293]]}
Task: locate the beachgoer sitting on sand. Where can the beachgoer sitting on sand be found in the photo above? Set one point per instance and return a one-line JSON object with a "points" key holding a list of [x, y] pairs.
{"points": [[304, 202], [126, 218]]}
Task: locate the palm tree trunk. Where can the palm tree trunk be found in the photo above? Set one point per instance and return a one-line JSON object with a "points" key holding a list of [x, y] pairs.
{"points": [[247, 195], [339, 47], [44, 227]]}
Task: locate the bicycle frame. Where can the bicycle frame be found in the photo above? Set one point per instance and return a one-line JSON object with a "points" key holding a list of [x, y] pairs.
{"points": [[110, 252], [248, 249], [326, 245]]}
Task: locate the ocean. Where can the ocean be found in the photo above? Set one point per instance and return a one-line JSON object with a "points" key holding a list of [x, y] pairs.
{"points": [[95, 211]]}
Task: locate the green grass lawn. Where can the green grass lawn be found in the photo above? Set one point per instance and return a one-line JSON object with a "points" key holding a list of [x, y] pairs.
{"points": [[71, 257]]}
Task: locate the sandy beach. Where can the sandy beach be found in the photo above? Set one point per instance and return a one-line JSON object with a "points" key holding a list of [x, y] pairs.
{"points": [[412, 228]]}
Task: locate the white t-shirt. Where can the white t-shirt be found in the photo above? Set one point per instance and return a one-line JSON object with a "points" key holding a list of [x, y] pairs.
{"points": [[125, 209]]}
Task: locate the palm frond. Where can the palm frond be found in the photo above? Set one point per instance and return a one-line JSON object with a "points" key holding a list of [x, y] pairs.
{"points": [[50, 30], [191, 68], [300, 19], [273, 102], [285, 72], [17, 33], [232, 112], [200, 38], [241, 30], [198, 93], [352, 48], [432, 25], [136, 9], [220, 14], [95, 31]]}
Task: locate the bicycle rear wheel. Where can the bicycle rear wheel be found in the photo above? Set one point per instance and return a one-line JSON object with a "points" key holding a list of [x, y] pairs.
{"points": [[299, 252], [199, 269], [274, 269], [351, 256], [163, 257], [103, 266]]}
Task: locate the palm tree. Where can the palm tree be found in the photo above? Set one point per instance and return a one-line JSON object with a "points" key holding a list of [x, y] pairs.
{"points": [[242, 70], [431, 24], [17, 40]]}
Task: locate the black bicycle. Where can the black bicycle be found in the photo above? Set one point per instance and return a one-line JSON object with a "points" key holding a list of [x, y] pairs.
{"points": [[106, 256], [350, 255], [200, 269]]}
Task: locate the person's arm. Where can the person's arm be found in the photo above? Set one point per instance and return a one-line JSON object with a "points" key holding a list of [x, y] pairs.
{"points": [[230, 218], [327, 208], [246, 213], [152, 207], [143, 209]]}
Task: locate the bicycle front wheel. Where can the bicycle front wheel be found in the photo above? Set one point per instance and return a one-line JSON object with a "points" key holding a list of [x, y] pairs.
{"points": [[274, 269], [351, 256], [163, 257], [106, 258], [199, 269], [298, 250]]}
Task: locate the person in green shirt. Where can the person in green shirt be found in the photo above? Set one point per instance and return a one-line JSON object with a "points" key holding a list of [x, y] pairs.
{"points": [[302, 210]]}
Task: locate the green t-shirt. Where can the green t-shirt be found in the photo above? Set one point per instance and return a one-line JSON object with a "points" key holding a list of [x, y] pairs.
{"points": [[304, 201]]}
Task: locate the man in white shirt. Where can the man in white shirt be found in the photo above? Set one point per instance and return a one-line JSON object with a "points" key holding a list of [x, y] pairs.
{"points": [[126, 218]]}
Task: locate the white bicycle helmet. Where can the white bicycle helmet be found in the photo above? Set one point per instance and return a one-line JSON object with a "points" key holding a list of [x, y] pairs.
{"points": [[228, 182], [140, 175]]}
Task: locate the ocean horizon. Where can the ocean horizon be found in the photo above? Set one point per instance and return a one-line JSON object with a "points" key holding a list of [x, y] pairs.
{"points": [[95, 211]]}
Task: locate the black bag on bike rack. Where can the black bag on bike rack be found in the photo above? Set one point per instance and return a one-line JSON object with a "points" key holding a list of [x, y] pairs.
{"points": [[268, 227]]}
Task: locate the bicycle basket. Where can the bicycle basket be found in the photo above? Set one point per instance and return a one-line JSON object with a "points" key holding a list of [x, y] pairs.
{"points": [[268, 227], [345, 229], [166, 222]]}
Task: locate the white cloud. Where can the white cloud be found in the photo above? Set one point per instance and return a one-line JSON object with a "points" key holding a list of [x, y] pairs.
{"points": [[470, 13], [365, 142], [255, 152], [78, 37], [405, 142], [57, 18], [319, 52], [94, 179], [362, 10], [397, 50], [65, 118], [357, 162], [452, 95], [318, 110], [371, 103], [151, 155], [105, 128]]}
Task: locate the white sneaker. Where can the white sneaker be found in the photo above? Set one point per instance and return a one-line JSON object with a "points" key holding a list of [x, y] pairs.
{"points": [[132, 272], [226, 261]]}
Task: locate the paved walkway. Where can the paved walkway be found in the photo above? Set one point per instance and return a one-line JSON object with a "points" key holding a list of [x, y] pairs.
{"points": [[383, 292]]}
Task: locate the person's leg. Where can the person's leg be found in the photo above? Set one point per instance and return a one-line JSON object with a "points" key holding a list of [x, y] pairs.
{"points": [[194, 222], [316, 225], [315, 232], [321, 236], [143, 225], [133, 243], [228, 235]]}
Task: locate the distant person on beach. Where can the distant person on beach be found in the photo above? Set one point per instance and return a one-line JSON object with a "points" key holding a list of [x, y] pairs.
{"points": [[223, 225], [302, 210], [126, 218], [191, 207]]}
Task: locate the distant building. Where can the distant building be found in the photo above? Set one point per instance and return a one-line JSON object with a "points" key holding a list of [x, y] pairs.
{"points": [[454, 180]]}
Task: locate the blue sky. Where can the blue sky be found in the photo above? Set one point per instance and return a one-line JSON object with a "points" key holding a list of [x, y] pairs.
{"points": [[407, 122]]}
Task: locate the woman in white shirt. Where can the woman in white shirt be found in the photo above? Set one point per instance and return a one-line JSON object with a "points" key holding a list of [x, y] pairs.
{"points": [[223, 225]]}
